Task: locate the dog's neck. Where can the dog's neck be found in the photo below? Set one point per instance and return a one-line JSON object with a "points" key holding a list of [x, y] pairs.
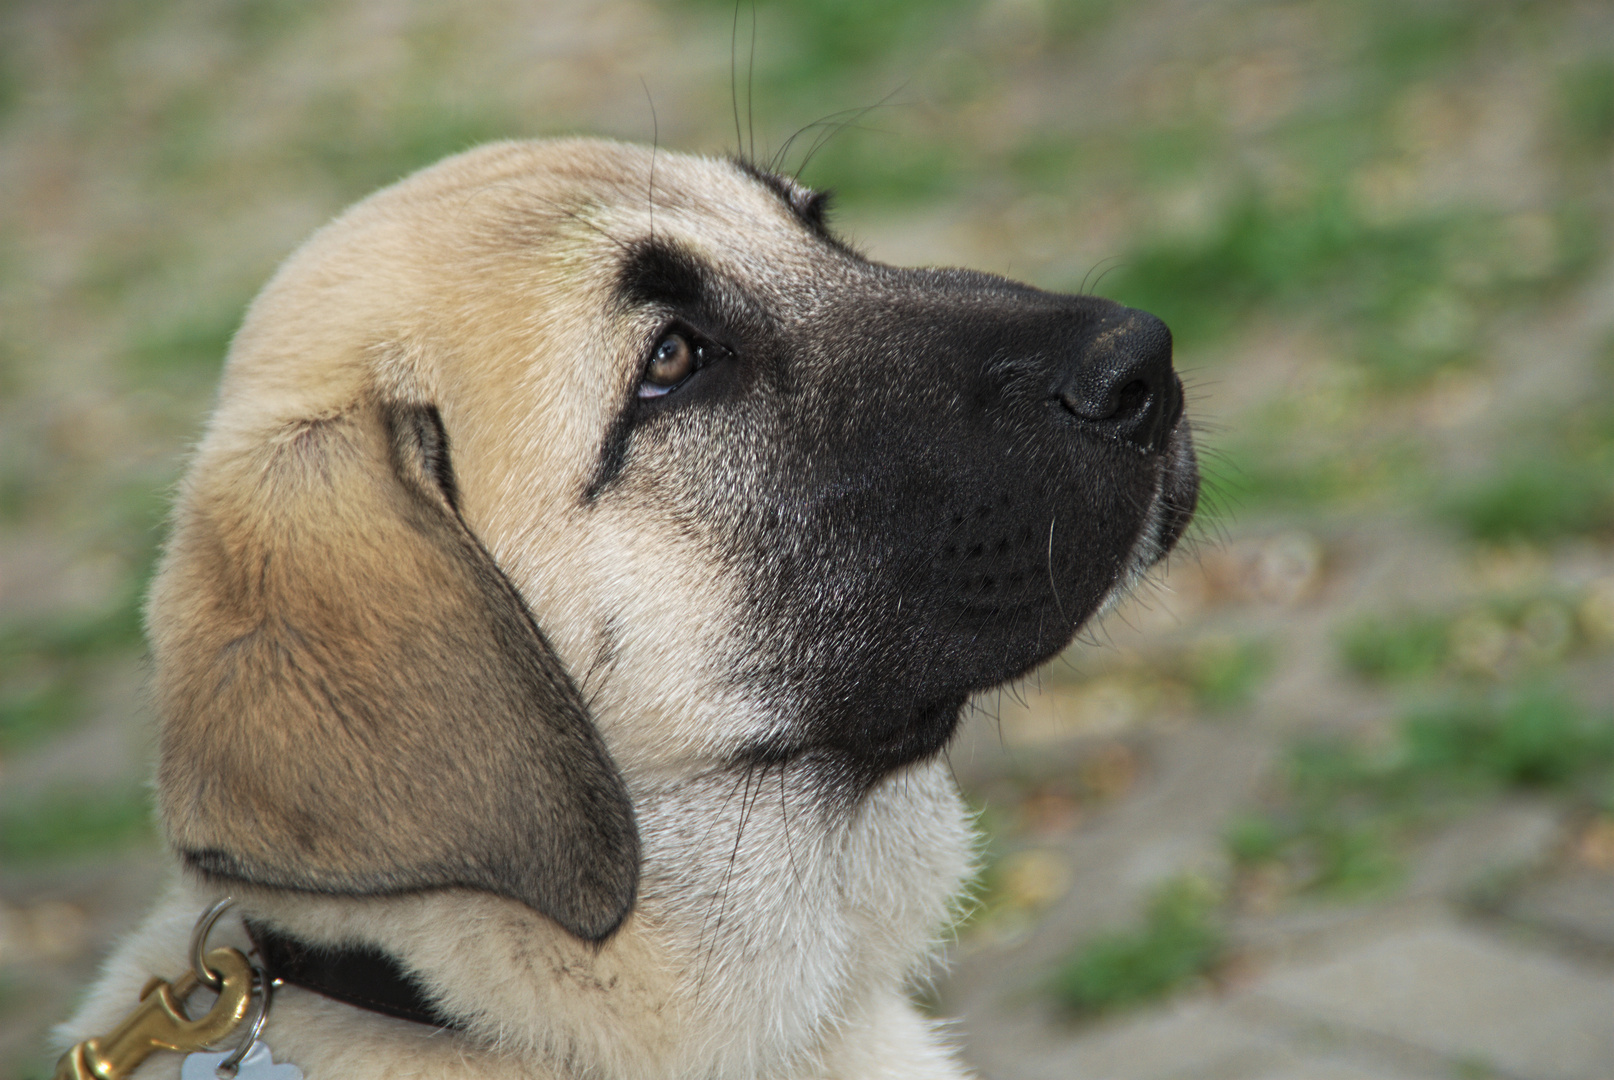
{"points": [[764, 922]]}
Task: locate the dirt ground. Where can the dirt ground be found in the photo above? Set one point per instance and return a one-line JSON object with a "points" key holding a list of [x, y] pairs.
{"points": [[1332, 797]]}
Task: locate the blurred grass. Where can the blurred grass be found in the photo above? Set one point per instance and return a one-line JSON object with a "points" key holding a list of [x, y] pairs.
{"points": [[1537, 499], [1394, 649], [1502, 638], [68, 822], [191, 347], [407, 135], [1347, 808], [1256, 473], [49, 662], [1389, 279], [1586, 105], [1556, 478], [1410, 289], [34, 1063], [1180, 940], [1225, 673], [44, 666]]}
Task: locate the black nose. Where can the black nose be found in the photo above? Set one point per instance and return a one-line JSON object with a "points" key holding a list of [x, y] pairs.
{"points": [[1118, 380]]}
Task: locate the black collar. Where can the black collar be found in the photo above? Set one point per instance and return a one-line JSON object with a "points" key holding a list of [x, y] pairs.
{"points": [[359, 975]]}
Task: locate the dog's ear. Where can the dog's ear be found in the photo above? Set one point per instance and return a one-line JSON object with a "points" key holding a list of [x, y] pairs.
{"points": [[355, 699]]}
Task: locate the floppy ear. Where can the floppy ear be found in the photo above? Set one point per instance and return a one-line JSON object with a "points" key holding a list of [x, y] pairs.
{"points": [[356, 700]]}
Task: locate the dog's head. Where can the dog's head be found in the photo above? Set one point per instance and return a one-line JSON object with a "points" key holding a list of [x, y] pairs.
{"points": [[560, 463]]}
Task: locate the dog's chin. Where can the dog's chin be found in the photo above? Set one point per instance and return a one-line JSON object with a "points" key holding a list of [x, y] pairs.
{"points": [[1170, 513], [864, 751], [1176, 499], [928, 729], [908, 706]]}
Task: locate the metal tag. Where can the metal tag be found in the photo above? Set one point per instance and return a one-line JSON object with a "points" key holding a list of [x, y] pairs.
{"points": [[257, 1065]]}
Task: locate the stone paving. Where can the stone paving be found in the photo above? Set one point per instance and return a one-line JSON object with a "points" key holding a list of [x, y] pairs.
{"points": [[1420, 987], [1494, 958]]}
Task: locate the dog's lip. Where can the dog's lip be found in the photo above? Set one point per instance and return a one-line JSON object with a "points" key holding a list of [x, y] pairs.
{"points": [[904, 735], [1177, 496], [1165, 523]]}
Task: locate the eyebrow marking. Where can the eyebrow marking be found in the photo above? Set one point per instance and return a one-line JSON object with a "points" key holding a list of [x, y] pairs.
{"points": [[810, 207], [660, 272]]}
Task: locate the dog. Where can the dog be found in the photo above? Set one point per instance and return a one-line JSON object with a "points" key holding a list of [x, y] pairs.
{"points": [[586, 564]]}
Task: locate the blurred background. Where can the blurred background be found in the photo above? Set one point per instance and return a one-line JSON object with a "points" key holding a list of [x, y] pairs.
{"points": [[1333, 798]]}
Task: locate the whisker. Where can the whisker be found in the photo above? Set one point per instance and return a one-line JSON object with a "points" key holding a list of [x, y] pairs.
{"points": [[1051, 583], [655, 144], [734, 87]]}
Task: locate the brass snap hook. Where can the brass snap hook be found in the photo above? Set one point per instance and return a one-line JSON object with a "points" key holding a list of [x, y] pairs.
{"points": [[159, 1022]]}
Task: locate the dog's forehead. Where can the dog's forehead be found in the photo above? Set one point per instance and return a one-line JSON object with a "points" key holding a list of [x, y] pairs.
{"points": [[601, 201], [489, 286], [650, 179]]}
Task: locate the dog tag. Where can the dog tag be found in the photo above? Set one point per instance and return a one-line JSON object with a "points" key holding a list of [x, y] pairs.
{"points": [[257, 1065]]}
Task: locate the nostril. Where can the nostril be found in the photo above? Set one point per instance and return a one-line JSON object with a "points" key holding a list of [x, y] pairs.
{"points": [[1119, 382], [1133, 398], [1116, 405]]}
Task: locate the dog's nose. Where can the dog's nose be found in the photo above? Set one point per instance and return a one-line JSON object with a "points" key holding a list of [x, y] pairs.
{"points": [[1120, 381]]}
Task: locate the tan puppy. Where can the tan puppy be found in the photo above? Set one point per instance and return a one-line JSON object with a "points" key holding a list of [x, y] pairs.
{"points": [[584, 567]]}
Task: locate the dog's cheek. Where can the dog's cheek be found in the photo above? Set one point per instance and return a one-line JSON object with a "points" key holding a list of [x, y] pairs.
{"points": [[643, 613]]}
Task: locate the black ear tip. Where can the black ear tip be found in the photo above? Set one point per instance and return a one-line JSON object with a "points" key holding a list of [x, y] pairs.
{"points": [[588, 880], [598, 924], [591, 914]]}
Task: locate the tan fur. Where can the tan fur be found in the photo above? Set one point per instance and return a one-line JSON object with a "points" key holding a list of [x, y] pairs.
{"points": [[768, 937]]}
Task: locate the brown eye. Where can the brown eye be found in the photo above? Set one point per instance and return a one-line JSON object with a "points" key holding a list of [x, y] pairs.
{"points": [[670, 364]]}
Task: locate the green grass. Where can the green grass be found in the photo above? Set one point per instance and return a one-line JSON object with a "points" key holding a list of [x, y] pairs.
{"points": [[192, 346], [1250, 475], [20, 491], [190, 134], [1396, 649], [30, 716], [46, 663], [1387, 285], [812, 48], [1347, 809], [256, 23], [875, 168], [841, 74], [1404, 42], [1078, 20], [74, 638], [65, 823], [1537, 499], [1314, 453], [1530, 633], [1553, 479], [19, 992], [1180, 940], [1586, 105], [361, 152], [40, 1065], [11, 84], [1225, 674], [1537, 739]]}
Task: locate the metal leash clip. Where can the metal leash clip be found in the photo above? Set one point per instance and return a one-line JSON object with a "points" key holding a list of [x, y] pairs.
{"points": [[160, 1022]]}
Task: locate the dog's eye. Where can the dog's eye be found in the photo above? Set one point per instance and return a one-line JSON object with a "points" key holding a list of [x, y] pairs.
{"points": [[671, 362]]}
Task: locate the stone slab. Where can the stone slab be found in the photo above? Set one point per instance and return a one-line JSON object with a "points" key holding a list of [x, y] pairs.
{"points": [[1194, 1039], [1579, 902], [1466, 995], [1499, 839]]}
